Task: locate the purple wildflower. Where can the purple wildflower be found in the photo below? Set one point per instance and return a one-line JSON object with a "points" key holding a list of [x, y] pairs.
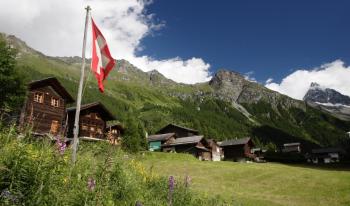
{"points": [[61, 146], [171, 189], [6, 194], [91, 184]]}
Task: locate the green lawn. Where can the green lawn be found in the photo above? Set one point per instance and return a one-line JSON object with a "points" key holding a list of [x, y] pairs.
{"points": [[256, 183]]}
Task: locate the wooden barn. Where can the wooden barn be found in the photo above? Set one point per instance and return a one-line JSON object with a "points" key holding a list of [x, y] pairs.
{"points": [[238, 149], [45, 107], [92, 122], [215, 149], [195, 145], [155, 142], [178, 130], [114, 133]]}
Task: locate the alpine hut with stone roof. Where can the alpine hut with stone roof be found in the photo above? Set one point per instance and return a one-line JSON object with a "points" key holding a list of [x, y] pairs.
{"points": [[156, 141], [238, 149], [195, 145]]}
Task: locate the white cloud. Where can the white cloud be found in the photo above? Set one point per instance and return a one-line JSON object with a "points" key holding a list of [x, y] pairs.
{"points": [[269, 80], [333, 75], [249, 76], [56, 29]]}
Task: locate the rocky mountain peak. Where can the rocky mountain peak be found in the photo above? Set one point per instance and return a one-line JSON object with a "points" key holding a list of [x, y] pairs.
{"points": [[228, 83], [224, 75], [319, 94]]}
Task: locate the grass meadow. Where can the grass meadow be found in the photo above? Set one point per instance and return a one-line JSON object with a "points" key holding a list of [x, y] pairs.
{"points": [[257, 183]]}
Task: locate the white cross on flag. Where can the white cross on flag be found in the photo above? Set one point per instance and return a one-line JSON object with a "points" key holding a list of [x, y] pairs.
{"points": [[102, 61]]}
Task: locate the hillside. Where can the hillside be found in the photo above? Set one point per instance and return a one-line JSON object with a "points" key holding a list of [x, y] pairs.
{"points": [[226, 107]]}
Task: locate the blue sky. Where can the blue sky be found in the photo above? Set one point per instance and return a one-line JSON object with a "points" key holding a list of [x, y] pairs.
{"points": [[270, 38], [290, 43]]}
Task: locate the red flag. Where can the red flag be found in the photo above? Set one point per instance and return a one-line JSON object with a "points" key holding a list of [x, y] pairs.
{"points": [[102, 61]]}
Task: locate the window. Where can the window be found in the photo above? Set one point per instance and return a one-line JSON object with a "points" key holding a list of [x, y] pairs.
{"points": [[97, 116], [84, 127], [54, 127], [92, 129], [99, 131], [39, 97], [55, 102]]}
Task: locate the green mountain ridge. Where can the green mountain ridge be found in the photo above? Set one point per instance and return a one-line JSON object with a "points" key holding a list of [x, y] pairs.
{"points": [[228, 106]]}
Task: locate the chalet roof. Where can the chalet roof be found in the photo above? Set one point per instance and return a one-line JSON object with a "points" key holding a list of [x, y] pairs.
{"points": [[202, 148], [232, 142], [95, 106], [291, 144], [160, 137], [212, 142], [115, 125], [55, 84], [181, 127], [328, 150], [187, 140]]}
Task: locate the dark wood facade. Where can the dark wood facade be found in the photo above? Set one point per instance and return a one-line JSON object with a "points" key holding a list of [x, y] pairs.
{"points": [[178, 130], [238, 149], [45, 107], [92, 121], [194, 145]]}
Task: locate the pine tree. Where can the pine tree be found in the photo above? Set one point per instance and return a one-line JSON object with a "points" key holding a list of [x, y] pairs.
{"points": [[12, 87]]}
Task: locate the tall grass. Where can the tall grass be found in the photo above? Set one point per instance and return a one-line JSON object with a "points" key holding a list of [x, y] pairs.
{"points": [[34, 172]]}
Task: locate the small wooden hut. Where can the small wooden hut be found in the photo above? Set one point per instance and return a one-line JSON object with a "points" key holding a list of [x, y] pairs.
{"points": [[92, 122], [155, 141], [178, 130], [195, 145], [45, 107], [238, 149]]}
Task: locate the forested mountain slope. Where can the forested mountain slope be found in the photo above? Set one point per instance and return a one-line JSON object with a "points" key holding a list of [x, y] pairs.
{"points": [[228, 106]]}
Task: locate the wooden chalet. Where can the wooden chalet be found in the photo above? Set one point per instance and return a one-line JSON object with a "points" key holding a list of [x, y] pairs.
{"points": [[114, 133], [291, 147], [215, 149], [195, 145], [155, 142], [178, 130], [238, 149], [92, 122], [45, 107]]}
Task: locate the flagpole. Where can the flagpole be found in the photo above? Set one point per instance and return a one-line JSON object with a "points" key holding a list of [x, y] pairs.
{"points": [[80, 89]]}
